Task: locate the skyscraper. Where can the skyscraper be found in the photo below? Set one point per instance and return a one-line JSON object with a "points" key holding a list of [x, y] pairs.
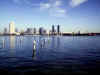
{"points": [[58, 29], [11, 28], [41, 31], [79, 32], [5, 30], [34, 30], [29, 31], [53, 30], [16, 30]]}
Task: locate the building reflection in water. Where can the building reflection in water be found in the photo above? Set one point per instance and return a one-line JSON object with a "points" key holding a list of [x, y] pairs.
{"points": [[33, 54], [2, 43], [38, 46], [34, 50], [53, 42], [40, 43], [12, 42], [12, 45], [58, 41], [20, 42]]}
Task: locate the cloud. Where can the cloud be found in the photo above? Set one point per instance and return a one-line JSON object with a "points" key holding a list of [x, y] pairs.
{"points": [[54, 8], [58, 12], [58, 3], [75, 3], [44, 6]]}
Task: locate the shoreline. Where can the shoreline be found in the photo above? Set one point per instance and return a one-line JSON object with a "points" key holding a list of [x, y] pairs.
{"points": [[52, 35]]}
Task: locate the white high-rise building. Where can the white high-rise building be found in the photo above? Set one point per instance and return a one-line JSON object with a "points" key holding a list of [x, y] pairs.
{"points": [[12, 28]]}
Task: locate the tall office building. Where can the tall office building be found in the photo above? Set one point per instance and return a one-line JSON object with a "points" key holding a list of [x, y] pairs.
{"points": [[79, 32], [53, 29], [58, 29], [16, 30], [44, 31], [34, 30], [12, 28], [29, 31], [41, 31], [5, 30]]}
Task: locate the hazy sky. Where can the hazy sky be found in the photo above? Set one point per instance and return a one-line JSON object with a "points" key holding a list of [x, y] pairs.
{"points": [[72, 15]]}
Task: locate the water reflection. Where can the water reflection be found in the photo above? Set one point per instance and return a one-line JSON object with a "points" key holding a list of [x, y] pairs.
{"points": [[38, 46], [55, 56], [41, 42], [55, 42], [58, 42], [2, 43], [12, 42], [34, 49], [34, 54], [20, 42]]}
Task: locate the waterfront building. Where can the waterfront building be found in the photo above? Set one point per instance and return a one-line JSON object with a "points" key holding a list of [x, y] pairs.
{"points": [[40, 31], [5, 31], [22, 31], [44, 31], [16, 30], [58, 29], [29, 30], [34, 30], [11, 28], [53, 30], [79, 32]]}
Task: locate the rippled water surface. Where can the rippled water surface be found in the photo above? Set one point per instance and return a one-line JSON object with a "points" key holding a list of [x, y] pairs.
{"points": [[50, 55]]}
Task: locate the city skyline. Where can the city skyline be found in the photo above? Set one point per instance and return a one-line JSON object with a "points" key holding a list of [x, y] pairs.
{"points": [[72, 15], [12, 30]]}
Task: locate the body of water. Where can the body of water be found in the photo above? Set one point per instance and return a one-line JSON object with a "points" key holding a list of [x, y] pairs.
{"points": [[49, 55]]}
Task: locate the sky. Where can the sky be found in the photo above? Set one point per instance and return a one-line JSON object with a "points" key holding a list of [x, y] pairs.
{"points": [[71, 15]]}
